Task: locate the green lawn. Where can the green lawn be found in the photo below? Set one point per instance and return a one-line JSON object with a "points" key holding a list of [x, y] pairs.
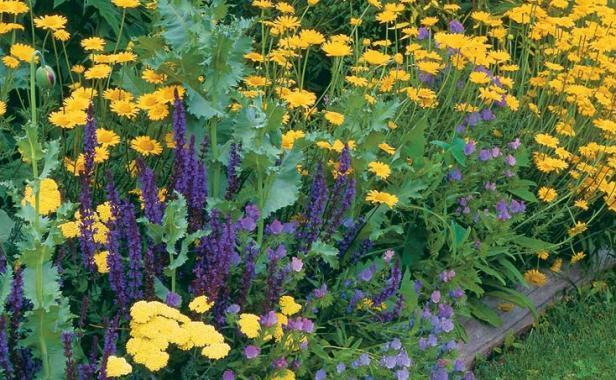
{"points": [[576, 339]]}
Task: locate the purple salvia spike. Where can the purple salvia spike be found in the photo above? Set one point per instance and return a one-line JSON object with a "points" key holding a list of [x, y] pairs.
{"points": [[392, 285], [83, 311], [152, 206], [250, 257], [5, 360], [314, 216], [67, 342], [232, 176], [87, 229], [15, 303], [149, 274], [180, 177], [109, 347], [135, 264]]}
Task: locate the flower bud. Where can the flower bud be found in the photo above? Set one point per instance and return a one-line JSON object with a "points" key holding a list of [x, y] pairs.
{"points": [[45, 77]]}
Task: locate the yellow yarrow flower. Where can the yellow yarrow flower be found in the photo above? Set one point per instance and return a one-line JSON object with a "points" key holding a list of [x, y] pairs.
{"points": [[49, 196], [200, 304], [578, 256], [288, 306], [249, 325], [100, 259], [117, 367]]}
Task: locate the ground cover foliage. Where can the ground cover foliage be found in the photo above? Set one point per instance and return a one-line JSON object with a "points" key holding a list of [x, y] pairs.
{"points": [[279, 190]]}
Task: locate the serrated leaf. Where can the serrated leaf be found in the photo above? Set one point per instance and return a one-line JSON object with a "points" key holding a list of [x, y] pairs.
{"points": [[47, 327], [177, 22], [7, 226], [284, 189], [49, 287], [414, 143], [174, 222], [28, 145], [326, 252], [51, 158]]}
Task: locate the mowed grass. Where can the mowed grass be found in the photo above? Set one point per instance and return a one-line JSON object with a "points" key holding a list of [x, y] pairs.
{"points": [[575, 339]]}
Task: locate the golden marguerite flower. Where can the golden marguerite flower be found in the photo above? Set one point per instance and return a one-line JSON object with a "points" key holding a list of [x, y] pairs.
{"points": [[299, 98], [107, 138], [100, 71], [22, 52], [334, 117], [126, 3], [375, 57], [124, 108], [547, 194], [535, 277], [13, 7], [146, 146], [2, 108], [153, 77], [50, 22], [93, 44], [577, 257], [61, 35], [336, 49], [380, 169], [378, 197]]}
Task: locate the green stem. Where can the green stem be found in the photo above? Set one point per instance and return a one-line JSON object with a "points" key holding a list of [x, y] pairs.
{"points": [[39, 280]]}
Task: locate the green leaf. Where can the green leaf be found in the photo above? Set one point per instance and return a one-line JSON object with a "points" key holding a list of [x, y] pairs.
{"points": [[460, 234], [381, 114], [407, 289], [326, 252], [177, 20], [414, 142], [182, 256], [47, 327], [484, 313], [29, 146], [50, 286], [174, 222], [284, 189], [457, 151], [7, 226], [51, 158], [521, 188], [160, 289], [514, 297], [108, 12], [534, 244]]}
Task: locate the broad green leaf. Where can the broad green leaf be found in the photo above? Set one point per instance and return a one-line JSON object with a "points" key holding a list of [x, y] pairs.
{"points": [[483, 312], [110, 13], [460, 234], [381, 114], [534, 244], [48, 292], [6, 228], [51, 158], [284, 189], [29, 146], [326, 252], [457, 151], [521, 188], [177, 22], [414, 142], [407, 289], [174, 222]]}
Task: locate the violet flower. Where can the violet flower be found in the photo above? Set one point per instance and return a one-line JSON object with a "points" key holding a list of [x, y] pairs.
{"points": [[69, 369], [135, 263], [308, 233], [5, 360], [233, 179]]}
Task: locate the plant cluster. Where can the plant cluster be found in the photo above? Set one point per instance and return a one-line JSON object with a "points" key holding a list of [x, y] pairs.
{"points": [[209, 191]]}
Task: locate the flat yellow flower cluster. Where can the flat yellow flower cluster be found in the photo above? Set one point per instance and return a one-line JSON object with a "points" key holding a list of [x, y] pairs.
{"points": [[49, 196], [154, 326]]}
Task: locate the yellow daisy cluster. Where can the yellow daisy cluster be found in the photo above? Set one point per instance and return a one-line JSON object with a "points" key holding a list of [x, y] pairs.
{"points": [[154, 326], [574, 42]]}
